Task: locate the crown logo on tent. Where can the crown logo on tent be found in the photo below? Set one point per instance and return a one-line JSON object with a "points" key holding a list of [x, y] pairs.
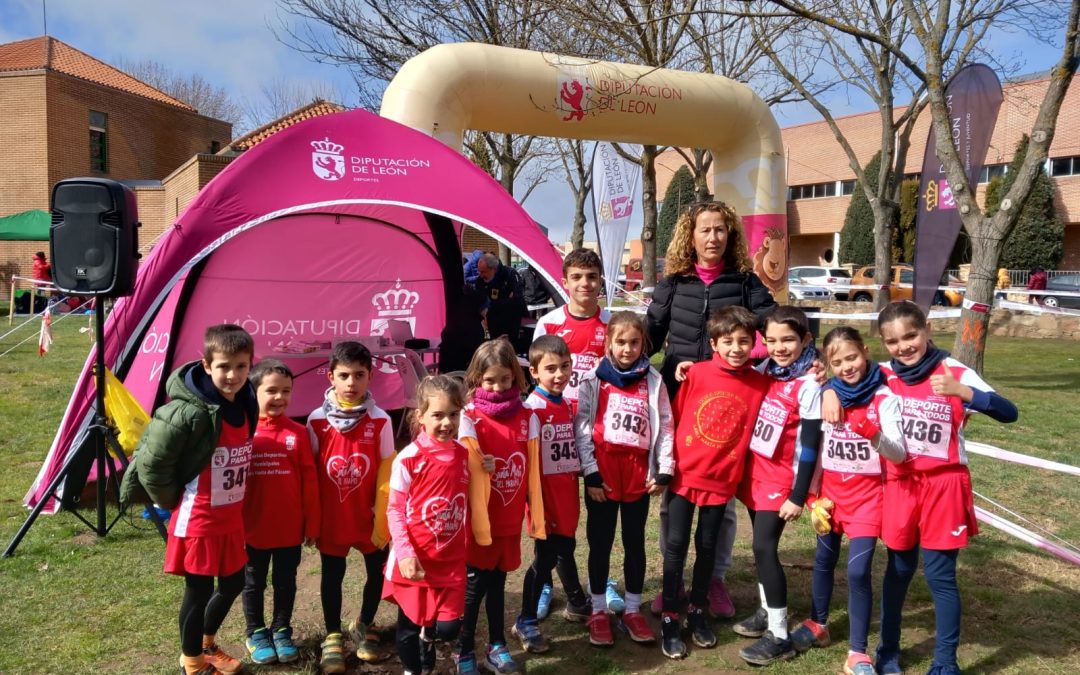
{"points": [[328, 146], [396, 301]]}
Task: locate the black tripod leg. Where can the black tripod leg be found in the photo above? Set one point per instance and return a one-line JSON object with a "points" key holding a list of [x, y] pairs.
{"points": [[49, 493]]}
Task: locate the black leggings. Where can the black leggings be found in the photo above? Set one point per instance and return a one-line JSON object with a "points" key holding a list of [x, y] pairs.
{"points": [[333, 575], [416, 647], [768, 526], [204, 608], [601, 518], [285, 561], [680, 517], [489, 585], [555, 552]]}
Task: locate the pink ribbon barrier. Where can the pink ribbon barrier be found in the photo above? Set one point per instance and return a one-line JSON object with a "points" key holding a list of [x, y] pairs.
{"points": [[1017, 458], [1027, 535]]}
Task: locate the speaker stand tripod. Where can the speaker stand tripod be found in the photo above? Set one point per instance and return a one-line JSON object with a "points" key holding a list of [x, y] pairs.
{"points": [[100, 440]]}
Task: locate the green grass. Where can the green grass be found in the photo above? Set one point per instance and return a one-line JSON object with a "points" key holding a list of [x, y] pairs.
{"points": [[72, 603]]}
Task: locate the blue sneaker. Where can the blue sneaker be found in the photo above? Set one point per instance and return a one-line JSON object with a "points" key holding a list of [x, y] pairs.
{"points": [[543, 606], [284, 646], [466, 663], [528, 631], [615, 603], [937, 669], [888, 662], [499, 660], [261, 648]]}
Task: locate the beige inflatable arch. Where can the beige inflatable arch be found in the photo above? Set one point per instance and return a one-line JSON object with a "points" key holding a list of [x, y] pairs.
{"points": [[453, 87]]}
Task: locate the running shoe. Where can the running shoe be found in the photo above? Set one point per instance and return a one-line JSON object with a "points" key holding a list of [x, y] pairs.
{"points": [[600, 630], [635, 625], [888, 661], [809, 634], [332, 659], [528, 631], [858, 664], [753, 626], [261, 647], [577, 613], [700, 630], [671, 643], [615, 603], [466, 663], [498, 660], [367, 641], [284, 646], [767, 650], [720, 604], [219, 659], [657, 605]]}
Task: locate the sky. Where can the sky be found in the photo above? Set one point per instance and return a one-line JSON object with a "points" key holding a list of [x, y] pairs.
{"points": [[232, 45]]}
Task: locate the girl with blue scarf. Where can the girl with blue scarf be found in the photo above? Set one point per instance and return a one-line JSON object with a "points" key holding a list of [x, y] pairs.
{"points": [[851, 498]]}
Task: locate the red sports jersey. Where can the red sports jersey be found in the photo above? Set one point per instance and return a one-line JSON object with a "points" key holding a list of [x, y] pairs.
{"points": [[584, 337], [621, 438], [774, 446], [281, 506], [348, 465], [933, 424], [507, 440], [715, 410], [213, 501], [433, 478], [559, 464]]}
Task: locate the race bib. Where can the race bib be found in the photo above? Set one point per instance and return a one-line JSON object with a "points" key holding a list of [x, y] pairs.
{"points": [[626, 421], [768, 428], [228, 474], [582, 364], [927, 426], [847, 452], [558, 449]]}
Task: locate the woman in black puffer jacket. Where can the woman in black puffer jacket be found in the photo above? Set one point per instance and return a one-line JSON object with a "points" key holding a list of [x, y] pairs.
{"points": [[707, 267]]}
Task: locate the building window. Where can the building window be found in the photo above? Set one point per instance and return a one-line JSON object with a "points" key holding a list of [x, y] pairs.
{"points": [[990, 171], [812, 191], [215, 146], [99, 143], [1065, 166], [847, 187]]}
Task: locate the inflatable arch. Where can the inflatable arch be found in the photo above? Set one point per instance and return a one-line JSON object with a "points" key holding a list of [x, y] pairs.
{"points": [[453, 87]]}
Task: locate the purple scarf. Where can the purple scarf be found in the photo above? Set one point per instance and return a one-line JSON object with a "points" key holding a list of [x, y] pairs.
{"points": [[497, 404]]}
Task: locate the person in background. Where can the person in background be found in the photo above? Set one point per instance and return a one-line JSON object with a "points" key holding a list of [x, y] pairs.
{"points": [[1036, 282], [42, 270], [504, 298]]}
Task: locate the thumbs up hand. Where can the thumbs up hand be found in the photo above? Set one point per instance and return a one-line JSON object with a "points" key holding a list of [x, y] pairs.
{"points": [[947, 385]]}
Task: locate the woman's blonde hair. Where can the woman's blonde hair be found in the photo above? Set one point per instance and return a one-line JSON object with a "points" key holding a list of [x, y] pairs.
{"points": [[497, 352], [681, 255], [429, 387]]}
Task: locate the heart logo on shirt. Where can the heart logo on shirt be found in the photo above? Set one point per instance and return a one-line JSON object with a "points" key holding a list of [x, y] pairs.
{"points": [[347, 472], [444, 517], [508, 476]]}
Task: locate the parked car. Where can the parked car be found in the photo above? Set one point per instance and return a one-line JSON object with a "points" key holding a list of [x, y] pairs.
{"points": [[834, 279], [633, 274], [800, 290], [1066, 282], [900, 286]]}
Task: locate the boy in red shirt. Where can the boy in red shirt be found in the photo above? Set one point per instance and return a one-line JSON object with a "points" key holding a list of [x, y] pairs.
{"points": [[550, 365], [714, 411], [193, 458], [353, 443], [281, 511], [582, 323]]}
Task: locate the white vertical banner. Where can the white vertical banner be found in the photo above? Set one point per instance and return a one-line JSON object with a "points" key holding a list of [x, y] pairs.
{"points": [[615, 183]]}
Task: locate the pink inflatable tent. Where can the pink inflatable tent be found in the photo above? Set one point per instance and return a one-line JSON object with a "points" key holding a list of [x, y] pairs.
{"points": [[330, 228]]}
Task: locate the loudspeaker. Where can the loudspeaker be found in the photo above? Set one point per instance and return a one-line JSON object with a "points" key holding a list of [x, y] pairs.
{"points": [[94, 238]]}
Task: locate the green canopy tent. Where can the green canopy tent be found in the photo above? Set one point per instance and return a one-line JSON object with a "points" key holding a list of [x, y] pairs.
{"points": [[30, 225]]}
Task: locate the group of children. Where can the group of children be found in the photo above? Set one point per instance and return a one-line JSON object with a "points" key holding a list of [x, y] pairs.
{"points": [[874, 452]]}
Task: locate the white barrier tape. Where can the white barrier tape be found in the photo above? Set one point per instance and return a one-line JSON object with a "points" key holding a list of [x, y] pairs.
{"points": [[872, 316], [1035, 309], [1026, 535], [37, 282], [1035, 527], [1008, 456], [1024, 291], [977, 307]]}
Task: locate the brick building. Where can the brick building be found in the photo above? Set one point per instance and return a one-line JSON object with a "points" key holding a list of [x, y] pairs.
{"points": [[68, 114], [821, 182]]}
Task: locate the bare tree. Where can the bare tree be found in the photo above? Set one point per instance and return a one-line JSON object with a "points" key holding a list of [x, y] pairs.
{"points": [[376, 37], [279, 97], [939, 40], [192, 89], [579, 177]]}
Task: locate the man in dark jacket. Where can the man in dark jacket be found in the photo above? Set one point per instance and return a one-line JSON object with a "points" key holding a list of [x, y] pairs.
{"points": [[504, 298]]}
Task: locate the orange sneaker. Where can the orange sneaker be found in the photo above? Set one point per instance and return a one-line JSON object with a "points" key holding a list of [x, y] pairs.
{"points": [[219, 659]]}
